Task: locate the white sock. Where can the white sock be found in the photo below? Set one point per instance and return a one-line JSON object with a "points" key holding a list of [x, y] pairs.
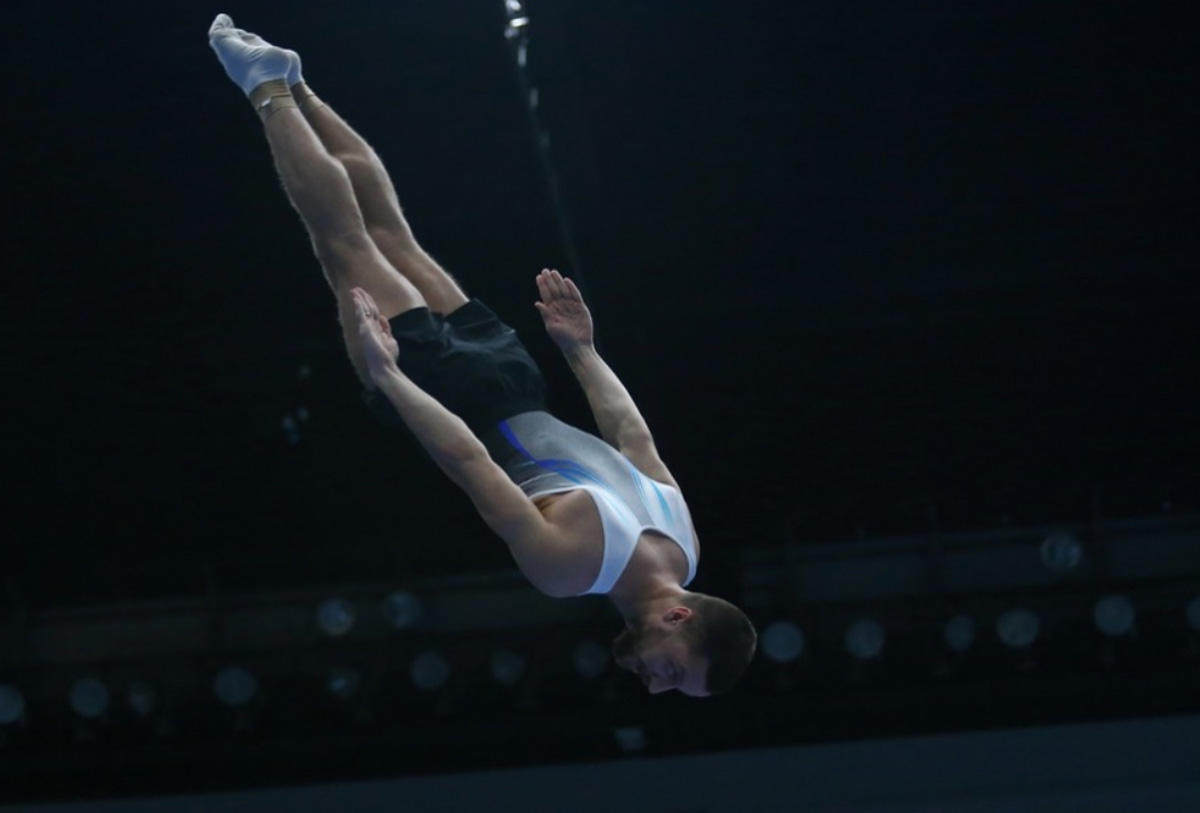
{"points": [[249, 60], [294, 75]]}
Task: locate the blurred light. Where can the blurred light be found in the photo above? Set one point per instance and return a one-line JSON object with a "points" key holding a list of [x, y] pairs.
{"points": [[522, 55], [402, 609], [291, 429], [960, 633], [1114, 615], [507, 667], [142, 698], [631, 739], [513, 6], [1193, 613], [304, 372], [590, 659], [12, 704], [1061, 552], [783, 641], [89, 697], [518, 22], [302, 413], [335, 617], [1018, 628], [430, 671], [235, 686], [343, 682], [864, 639], [533, 98]]}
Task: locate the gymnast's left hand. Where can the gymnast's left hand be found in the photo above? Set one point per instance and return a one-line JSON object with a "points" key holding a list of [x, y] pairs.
{"points": [[375, 336]]}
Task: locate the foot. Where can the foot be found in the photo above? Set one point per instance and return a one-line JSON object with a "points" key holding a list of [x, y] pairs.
{"points": [[249, 60]]}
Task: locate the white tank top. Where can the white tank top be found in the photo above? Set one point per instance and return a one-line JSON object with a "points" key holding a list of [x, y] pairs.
{"points": [[543, 455]]}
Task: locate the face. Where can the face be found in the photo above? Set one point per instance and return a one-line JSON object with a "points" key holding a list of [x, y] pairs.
{"points": [[656, 652]]}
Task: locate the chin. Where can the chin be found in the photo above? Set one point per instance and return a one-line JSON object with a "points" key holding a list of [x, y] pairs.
{"points": [[622, 645], [626, 647]]}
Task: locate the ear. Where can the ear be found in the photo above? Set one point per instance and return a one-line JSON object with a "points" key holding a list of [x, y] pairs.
{"points": [[677, 614]]}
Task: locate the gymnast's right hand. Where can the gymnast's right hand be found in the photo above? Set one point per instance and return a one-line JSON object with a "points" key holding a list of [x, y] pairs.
{"points": [[567, 319], [375, 336]]}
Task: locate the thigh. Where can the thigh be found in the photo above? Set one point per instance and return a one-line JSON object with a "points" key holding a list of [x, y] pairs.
{"points": [[366, 269], [355, 262], [440, 290]]}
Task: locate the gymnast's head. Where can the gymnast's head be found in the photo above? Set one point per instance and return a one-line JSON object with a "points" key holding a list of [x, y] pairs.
{"points": [[700, 646]]}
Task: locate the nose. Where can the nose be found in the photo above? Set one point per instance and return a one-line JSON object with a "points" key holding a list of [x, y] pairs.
{"points": [[657, 685]]}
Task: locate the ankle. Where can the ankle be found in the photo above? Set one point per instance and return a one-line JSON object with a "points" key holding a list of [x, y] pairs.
{"points": [[270, 97], [305, 98]]}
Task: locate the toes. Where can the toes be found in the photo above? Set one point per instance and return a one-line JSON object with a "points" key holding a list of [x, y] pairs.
{"points": [[222, 26], [249, 37]]}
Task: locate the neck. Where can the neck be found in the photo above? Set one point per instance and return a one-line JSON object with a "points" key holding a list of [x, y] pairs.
{"points": [[645, 598]]}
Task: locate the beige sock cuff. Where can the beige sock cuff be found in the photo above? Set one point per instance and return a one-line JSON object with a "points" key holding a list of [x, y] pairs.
{"points": [[270, 97], [305, 97]]}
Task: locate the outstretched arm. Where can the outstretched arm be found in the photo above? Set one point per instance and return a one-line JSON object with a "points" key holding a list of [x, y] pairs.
{"points": [[443, 434], [617, 416], [569, 324], [455, 449]]}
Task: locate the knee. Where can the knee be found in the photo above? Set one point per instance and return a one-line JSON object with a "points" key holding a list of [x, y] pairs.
{"points": [[358, 161], [339, 252], [394, 239]]}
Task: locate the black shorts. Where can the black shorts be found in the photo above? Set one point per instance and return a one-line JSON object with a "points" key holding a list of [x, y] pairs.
{"points": [[470, 361]]}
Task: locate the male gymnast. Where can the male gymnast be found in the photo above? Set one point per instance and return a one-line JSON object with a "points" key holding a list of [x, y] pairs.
{"points": [[580, 515]]}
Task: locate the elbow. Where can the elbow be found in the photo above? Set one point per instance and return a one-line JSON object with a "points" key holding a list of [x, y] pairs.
{"points": [[471, 448], [634, 437], [460, 445], [459, 460]]}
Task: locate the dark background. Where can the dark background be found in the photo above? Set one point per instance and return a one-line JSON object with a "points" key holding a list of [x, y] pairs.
{"points": [[858, 263], [868, 269]]}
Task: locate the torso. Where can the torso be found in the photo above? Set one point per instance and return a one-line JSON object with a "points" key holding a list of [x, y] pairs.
{"points": [[575, 511]]}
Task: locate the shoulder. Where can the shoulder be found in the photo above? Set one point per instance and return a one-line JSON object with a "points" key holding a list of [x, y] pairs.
{"points": [[563, 556]]}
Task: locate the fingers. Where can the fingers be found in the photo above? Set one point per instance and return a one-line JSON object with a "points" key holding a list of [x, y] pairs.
{"points": [[364, 303], [545, 283], [367, 312], [556, 283], [553, 285], [361, 309]]}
